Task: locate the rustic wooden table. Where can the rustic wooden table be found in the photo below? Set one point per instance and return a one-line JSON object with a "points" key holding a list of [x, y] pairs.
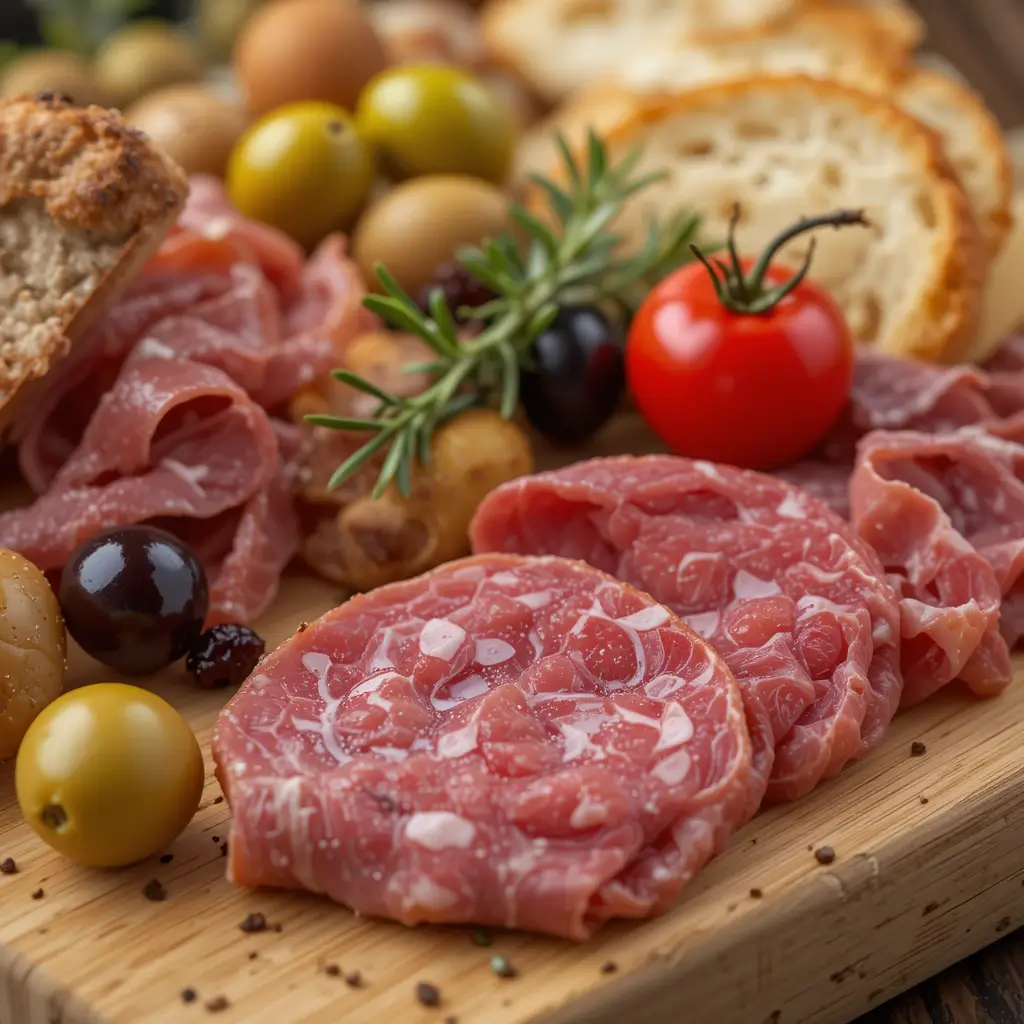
{"points": [[985, 40]]}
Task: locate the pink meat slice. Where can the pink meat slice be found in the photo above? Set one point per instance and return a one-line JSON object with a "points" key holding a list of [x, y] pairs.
{"points": [[171, 442], [890, 393], [507, 741], [796, 605], [946, 514]]}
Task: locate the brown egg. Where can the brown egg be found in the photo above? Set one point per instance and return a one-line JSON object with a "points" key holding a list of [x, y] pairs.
{"points": [[294, 50], [194, 126], [420, 223], [52, 71]]}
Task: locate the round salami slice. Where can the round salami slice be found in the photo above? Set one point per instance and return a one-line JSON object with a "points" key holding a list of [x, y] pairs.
{"points": [[510, 741], [796, 604]]}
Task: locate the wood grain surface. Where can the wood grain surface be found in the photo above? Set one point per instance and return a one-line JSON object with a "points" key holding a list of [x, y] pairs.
{"points": [[927, 870], [984, 39]]}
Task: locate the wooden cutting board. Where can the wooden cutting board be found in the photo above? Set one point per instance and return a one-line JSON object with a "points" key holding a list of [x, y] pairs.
{"points": [[927, 869]]}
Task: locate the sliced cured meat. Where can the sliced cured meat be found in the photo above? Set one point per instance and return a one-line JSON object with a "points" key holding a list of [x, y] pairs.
{"points": [[946, 514], [796, 605], [520, 742], [172, 441]]}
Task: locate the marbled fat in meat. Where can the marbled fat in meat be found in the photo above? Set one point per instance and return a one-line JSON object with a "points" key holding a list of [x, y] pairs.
{"points": [[509, 741], [794, 602]]}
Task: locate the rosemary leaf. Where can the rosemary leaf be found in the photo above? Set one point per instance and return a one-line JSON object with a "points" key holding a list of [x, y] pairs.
{"points": [[442, 317], [559, 201], [353, 380], [596, 166], [477, 263], [509, 381], [535, 228], [396, 313], [485, 312], [435, 366], [569, 162], [358, 459], [392, 464], [343, 422], [541, 320], [459, 404]]}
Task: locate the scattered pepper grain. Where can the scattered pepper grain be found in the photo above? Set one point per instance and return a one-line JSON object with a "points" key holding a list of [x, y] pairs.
{"points": [[756, 894], [609, 967], [189, 995], [218, 1004], [254, 923], [333, 970], [918, 749], [154, 890], [38, 894], [354, 979], [502, 968], [218, 799], [224, 849], [8, 867], [482, 937], [824, 855], [427, 994], [167, 858]]}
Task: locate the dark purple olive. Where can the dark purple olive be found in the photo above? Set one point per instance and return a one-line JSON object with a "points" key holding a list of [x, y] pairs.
{"points": [[225, 655], [459, 287], [134, 598], [578, 375]]}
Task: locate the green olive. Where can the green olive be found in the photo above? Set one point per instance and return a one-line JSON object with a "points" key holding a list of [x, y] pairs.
{"points": [[433, 119], [303, 169], [109, 774]]}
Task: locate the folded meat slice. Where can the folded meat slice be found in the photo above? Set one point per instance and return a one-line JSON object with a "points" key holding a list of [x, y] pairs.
{"points": [[946, 514], [520, 742], [796, 605], [178, 443]]}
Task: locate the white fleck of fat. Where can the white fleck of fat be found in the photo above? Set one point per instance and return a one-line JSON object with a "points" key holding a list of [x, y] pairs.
{"points": [[491, 651], [441, 638], [391, 753], [745, 585], [534, 638], [381, 660], [154, 348], [792, 506], [318, 664], [440, 830], [672, 769], [191, 475], [646, 618], [535, 600], [705, 624], [709, 469], [676, 728], [588, 813], [662, 687], [636, 718], [378, 701], [458, 742], [577, 743], [470, 573], [505, 579], [424, 892], [218, 228], [464, 689]]}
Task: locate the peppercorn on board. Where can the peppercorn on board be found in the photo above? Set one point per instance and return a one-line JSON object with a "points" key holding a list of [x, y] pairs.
{"points": [[816, 912]]}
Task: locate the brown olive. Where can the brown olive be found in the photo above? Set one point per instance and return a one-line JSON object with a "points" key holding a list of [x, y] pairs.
{"points": [[377, 541], [419, 225], [32, 648]]}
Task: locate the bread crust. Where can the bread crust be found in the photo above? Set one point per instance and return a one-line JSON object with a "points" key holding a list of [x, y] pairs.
{"points": [[941, 326], [994, 213], [94, 186]]}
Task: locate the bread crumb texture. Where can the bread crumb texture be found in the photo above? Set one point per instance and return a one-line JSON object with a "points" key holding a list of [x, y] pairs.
{"points": [[77, 185]]}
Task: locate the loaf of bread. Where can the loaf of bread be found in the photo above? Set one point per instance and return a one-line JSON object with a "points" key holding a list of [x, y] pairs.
{"points": [[85, 200], [829, 40], [560, 46], [791, 147]]}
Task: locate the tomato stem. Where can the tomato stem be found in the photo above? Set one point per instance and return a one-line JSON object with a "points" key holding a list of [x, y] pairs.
{"points": [[747, 294]]}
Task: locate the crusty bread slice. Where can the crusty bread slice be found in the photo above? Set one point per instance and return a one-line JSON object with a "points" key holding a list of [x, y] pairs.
{"points": [[898, 29], [973, 143], [1002, 307], [560, 46], [85, 200], [784, 148], [829, 40]]}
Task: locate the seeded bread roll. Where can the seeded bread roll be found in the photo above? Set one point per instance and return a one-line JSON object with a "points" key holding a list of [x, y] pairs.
{"points": [[85, 200], [784, 148]]}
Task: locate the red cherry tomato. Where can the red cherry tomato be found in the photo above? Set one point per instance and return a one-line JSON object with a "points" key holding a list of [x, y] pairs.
{"points": [[757, 390]]}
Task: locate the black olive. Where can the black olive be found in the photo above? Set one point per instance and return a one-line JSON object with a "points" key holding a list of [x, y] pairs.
{"points": [[459, 287], [578, 375], [225, 656], [134, 598]]}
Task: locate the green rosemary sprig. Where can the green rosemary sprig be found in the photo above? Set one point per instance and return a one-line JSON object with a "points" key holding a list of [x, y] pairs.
{"points": [[576, 261]]}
